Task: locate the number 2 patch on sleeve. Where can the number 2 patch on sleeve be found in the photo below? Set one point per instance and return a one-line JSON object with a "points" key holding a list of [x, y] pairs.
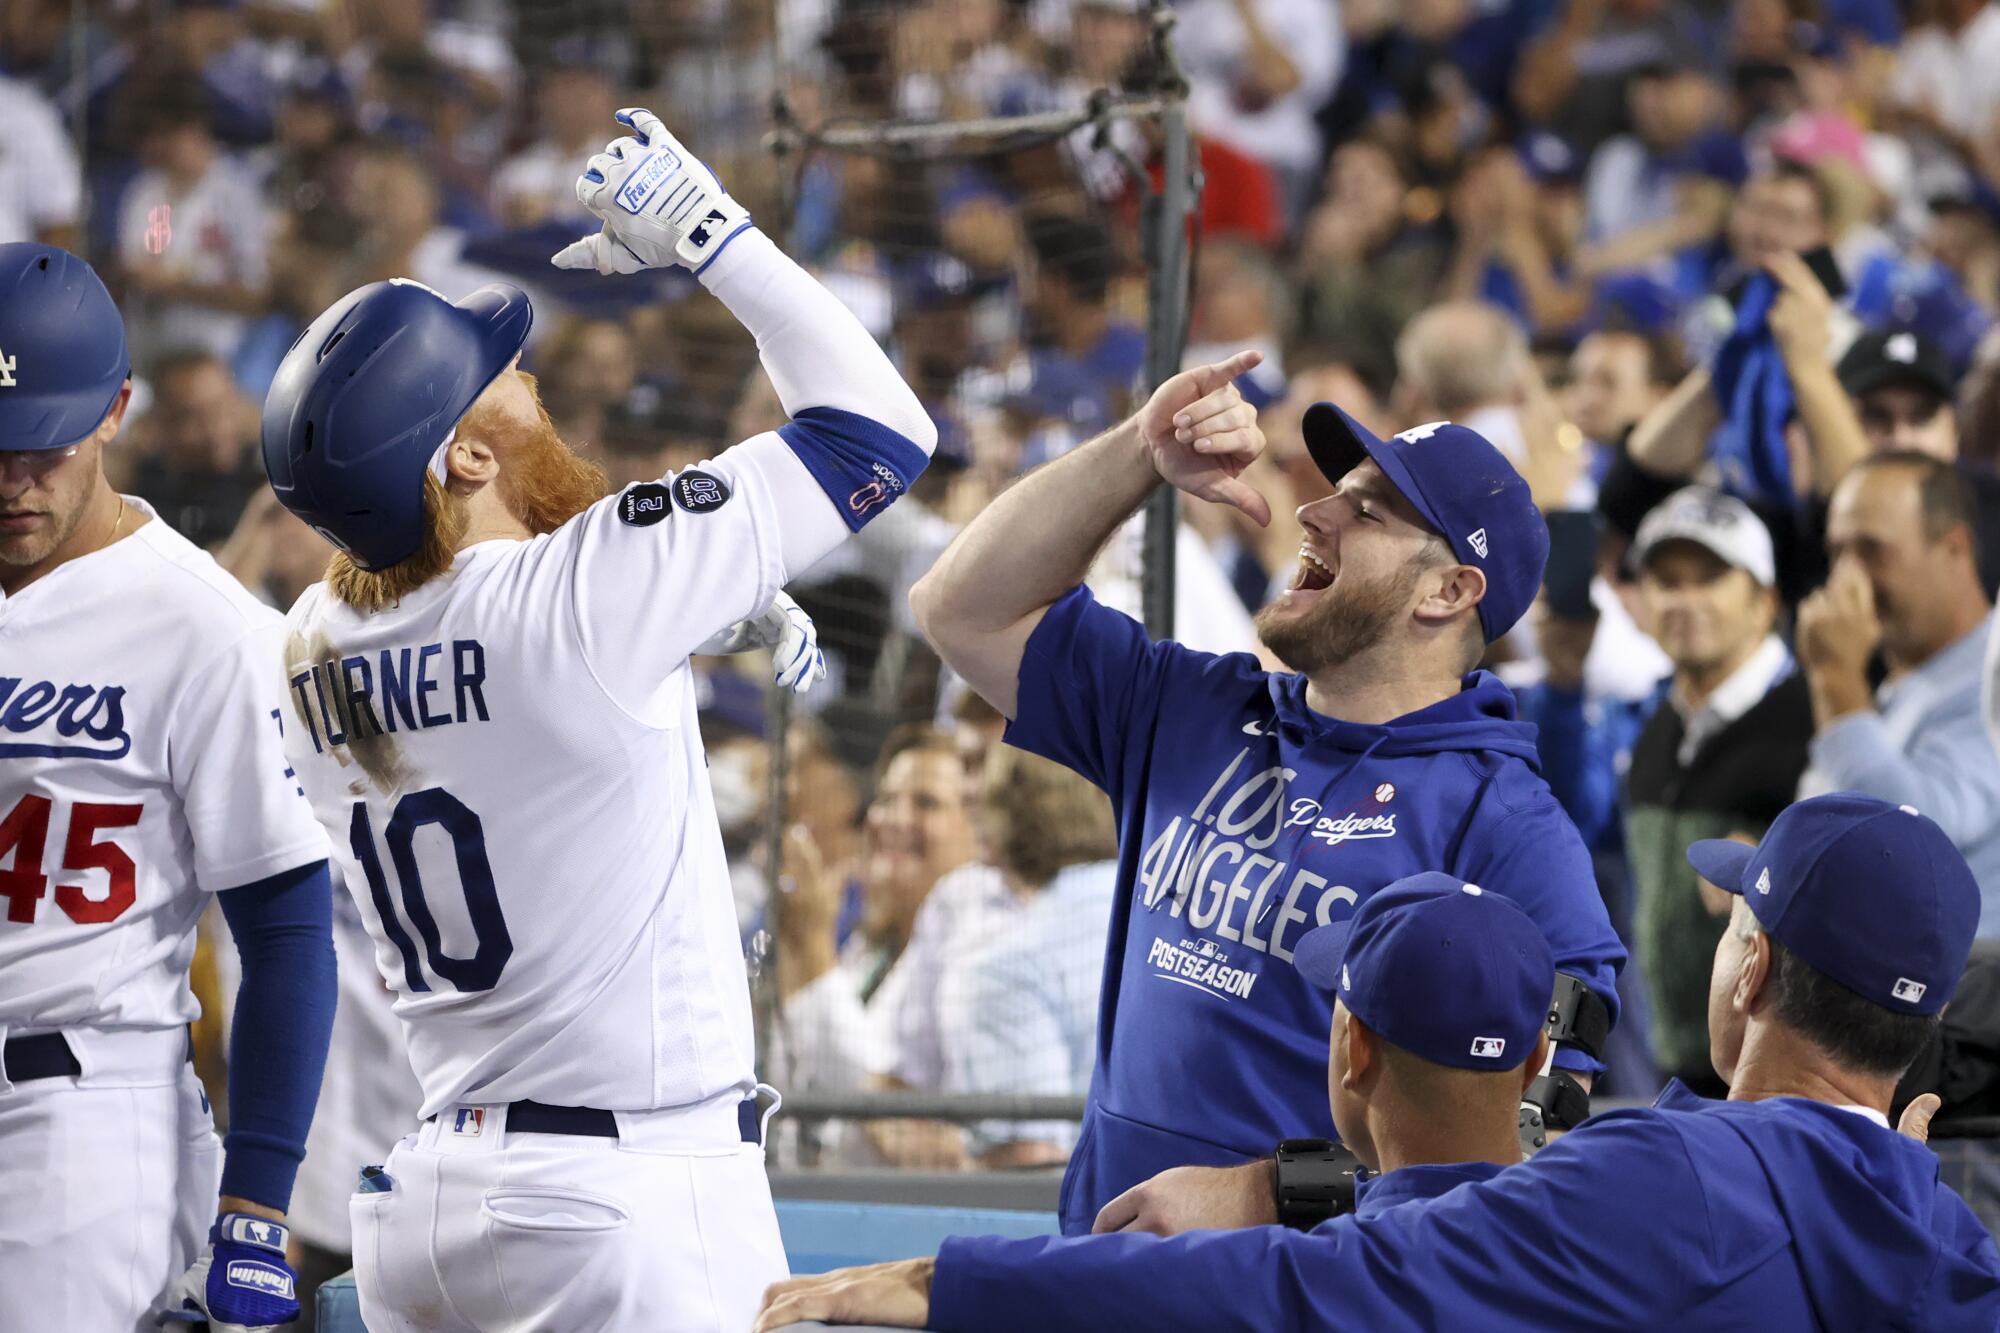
{"points": [[700, 492]]}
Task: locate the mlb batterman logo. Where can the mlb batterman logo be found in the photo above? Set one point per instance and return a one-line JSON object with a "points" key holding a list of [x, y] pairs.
{"points": [[1489, 1048], [1908, 991], [469, 1121]]}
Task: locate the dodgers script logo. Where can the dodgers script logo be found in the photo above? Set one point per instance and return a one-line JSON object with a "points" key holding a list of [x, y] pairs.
{"points": [[641, 184], [62, 721]]}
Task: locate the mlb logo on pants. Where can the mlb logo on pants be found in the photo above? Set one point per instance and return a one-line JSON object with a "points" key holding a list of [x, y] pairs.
{"points": [[469, 1120]]}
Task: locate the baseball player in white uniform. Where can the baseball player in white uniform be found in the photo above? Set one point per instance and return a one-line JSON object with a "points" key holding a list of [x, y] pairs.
{"points": [[140, 772], [492, 712]]}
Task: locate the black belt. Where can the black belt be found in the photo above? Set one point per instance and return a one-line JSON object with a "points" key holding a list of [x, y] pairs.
{"points": [[591, 1122], [44, 1055]]}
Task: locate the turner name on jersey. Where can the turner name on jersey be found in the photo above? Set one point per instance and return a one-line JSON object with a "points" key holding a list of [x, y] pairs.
{"points": [[404, 688]]}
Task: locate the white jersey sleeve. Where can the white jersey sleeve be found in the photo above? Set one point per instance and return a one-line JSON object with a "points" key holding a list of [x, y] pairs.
{"points": [[663, 565], [242, 803]]}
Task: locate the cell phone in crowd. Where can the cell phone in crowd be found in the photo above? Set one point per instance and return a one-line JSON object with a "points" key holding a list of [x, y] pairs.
{"points": [[1572, 563], [1819, 259]]}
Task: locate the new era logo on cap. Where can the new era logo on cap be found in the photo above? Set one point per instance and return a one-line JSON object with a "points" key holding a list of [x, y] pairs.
{"points": [[1477, 541], [1764, 880], [1908, 991], [1489, 1048]]}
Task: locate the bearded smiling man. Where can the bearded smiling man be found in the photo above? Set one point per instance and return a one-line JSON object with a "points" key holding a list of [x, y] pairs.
{"points": [[1252, 806]]}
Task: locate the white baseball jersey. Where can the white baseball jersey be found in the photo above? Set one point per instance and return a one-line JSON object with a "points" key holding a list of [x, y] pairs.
{"points": [[509, 763], [140, 769]]}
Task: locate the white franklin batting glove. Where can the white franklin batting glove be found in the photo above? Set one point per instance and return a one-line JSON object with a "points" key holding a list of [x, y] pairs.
{"points": [[796, 660], [660, 205], [242, 1283]]}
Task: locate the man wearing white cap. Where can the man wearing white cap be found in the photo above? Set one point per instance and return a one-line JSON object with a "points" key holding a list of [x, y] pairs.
{"points": [[1720, 756]]}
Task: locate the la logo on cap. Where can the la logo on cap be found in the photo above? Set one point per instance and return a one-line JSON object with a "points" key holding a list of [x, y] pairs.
{"points": [[1908, 991], [1764, 880]]}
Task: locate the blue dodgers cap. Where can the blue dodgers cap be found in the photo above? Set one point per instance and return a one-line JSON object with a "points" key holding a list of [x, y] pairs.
{"points": [[63, 358], [1440, 968], [1872, 894], [1465, 489]]}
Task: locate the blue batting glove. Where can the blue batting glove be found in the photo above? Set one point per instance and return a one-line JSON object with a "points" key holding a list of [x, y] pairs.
{"points": [[242, 1282]]}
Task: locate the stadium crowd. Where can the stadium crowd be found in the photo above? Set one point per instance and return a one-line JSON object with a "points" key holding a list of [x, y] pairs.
{"points": [[1719, 276]]}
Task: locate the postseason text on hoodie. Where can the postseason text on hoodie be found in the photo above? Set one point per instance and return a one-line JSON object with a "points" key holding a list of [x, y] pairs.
{"points": [[1244, 820], [1727, 1217]]}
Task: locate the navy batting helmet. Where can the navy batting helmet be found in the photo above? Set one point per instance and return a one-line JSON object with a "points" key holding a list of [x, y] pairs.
{"points": [[367, 395], [62, 348]]}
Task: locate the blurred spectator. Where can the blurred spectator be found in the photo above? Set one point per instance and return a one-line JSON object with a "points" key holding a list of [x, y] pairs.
{"points": [[310, 250], [1615, 378], [1241, 302], [1901, 386], [1719, 760], [1463, 361], [1068, 304], [968, 909], [272, 553], [41, 183], [1905, 582], [193, 232], [395, 196], [587, 369], [1025, 1003], [314, 133], [1258, 70], [199, 463], [1573, 77], [1519, 220], [1948, 70], [839, 1001], [573, 113], [1665, 186], [1369, 264]]}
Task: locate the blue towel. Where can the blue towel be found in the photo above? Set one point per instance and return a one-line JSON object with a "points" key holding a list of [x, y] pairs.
{"points": [[1756, 396]]}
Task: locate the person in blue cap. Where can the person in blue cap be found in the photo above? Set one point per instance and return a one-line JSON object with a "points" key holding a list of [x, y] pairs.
{"points": [[1253, 806], [141, 778], [1441, 992], [1793, 1205]]}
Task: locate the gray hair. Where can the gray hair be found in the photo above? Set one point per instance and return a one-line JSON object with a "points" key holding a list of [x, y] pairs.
{"points": [[1462, 355]]}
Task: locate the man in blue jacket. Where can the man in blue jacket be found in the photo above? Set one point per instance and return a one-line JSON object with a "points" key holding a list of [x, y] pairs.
{"points": [[1441, 990], [1254, 806], [1792, 1205]]}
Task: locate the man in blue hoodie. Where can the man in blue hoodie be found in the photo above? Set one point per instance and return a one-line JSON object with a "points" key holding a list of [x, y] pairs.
{"points": [[1254, 806], [1792, 1205]]}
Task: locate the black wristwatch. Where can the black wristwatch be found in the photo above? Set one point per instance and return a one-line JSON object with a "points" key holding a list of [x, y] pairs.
{"points": [[1314, 1180]]}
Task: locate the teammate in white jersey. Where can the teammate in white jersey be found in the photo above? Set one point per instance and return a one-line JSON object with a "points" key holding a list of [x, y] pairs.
{"points": [[140, 771], [492, 712]]}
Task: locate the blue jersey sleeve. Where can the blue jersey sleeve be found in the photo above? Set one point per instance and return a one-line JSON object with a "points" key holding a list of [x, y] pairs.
{"points": [[1531, 1249], [1092, 685], [1535, 856]]}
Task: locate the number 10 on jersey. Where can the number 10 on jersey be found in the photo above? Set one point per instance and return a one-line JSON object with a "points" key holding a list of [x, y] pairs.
{"points": [[493, 946]]}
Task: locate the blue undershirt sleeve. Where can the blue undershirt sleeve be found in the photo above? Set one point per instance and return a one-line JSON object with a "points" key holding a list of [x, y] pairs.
{"points": [[283, 927]]}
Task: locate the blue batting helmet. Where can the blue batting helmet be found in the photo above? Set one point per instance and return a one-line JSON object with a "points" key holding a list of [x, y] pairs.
{"points": [[367, 395], [62, 348]]}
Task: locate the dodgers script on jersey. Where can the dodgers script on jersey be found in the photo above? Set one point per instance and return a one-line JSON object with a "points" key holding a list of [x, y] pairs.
{"points": [[510, 764], [140, 770], [1246, 819]]}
